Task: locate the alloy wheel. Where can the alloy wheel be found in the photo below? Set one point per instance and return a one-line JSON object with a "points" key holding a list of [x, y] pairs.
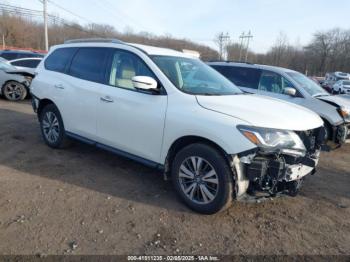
{"points": [[51, 127], [199, 180], [13, 91]]}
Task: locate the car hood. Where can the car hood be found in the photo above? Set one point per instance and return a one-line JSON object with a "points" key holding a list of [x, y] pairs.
{"points": [[336, 100], [20, 72], [263, 111]]}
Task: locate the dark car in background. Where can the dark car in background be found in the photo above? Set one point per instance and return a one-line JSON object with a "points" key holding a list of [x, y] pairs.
{"points": [[17, 54]]}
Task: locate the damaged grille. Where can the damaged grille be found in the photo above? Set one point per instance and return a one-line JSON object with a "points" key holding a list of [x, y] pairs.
{"points": [[313, 139]]}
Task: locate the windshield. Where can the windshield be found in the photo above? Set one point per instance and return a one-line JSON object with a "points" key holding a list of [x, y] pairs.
{"points": [[195, 77], [6, 66], [309, 86]]}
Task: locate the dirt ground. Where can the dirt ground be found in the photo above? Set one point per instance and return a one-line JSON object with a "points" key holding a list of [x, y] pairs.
{"points": [[83, 200]]}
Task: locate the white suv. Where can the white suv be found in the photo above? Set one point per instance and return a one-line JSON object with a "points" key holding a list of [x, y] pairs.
{"points": [[171, 111]]}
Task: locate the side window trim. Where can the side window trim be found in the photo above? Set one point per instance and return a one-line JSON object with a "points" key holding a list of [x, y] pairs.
{"points": [[108, 70], [67, 67]]}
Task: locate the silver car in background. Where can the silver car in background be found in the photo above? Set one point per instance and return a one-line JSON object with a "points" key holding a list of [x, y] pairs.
{"points": [[28, 64], [14, 83], [293, 87]]}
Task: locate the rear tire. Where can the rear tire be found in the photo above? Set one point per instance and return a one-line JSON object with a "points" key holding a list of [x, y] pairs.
{"points": [[203, 178], [14, 91], [52, 128]]}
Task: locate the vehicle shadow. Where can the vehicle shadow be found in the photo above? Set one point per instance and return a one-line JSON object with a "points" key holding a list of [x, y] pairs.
{"points": [[80, 164], [85, 166]]}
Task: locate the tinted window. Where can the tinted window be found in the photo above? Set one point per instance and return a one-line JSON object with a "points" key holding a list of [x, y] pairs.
{"points": [[59, 59], [27, 63], [273, 82], [89, 64], [241, 76], [9, 56], [124, 66]]}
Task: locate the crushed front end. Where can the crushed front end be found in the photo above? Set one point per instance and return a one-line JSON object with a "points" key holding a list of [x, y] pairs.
{"points": [[269, 171]]}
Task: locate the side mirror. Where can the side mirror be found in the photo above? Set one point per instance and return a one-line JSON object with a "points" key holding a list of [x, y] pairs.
{"points": [[290, 91], [144, 83]]}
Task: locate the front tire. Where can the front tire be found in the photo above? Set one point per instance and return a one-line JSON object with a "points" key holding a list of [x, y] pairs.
{"points": [[203, 178], [14, 91], [52, 128]]}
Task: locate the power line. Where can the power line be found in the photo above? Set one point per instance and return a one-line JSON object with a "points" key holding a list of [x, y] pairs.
{"points": [[30, 13], [125, 15], [70, 12]]}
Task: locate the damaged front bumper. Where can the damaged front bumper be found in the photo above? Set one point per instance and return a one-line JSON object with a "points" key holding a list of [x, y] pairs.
{"points": [[267, 174]]}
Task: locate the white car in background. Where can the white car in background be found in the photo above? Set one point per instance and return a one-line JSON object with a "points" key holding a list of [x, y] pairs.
{"points": [[171, 111], [26, 64], [341, 87]]}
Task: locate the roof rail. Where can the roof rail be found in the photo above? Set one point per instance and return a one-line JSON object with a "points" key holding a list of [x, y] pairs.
{"points": [[94, 40]]}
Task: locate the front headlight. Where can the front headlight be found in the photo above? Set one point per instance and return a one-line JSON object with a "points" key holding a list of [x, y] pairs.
{"points": [[344, 112], [271, 140]]}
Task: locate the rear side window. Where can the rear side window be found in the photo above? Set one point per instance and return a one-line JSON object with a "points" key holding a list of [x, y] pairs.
{"points": [[31, 63], [59, 59], [89, 64], [241, 76]]}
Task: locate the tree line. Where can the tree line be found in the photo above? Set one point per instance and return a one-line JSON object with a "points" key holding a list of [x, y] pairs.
{"points": [[328, 50], [23, 32]]}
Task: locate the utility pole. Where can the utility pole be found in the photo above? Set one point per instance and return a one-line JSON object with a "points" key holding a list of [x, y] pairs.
{"points": [[244, 37], [223, 40], [45, 26], [249, 36]]}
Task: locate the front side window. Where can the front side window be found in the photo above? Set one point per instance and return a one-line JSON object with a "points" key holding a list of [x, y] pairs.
{"points": [[273, 82], [194, 77], [308, 85], [241, 76], [59, 59], [89, 64], [124, 67]]}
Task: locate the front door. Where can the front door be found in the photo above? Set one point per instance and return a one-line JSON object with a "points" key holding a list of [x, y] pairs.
{"points": [[128, 119]]}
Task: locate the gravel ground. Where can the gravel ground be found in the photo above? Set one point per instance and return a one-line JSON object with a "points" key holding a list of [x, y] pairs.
{"points": [[83, 200]]}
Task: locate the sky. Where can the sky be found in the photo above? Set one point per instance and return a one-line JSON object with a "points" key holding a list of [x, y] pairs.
{"points": [[202, 20]]}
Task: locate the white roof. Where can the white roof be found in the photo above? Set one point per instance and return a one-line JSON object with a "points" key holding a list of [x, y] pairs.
{"points": [[153, 50]]}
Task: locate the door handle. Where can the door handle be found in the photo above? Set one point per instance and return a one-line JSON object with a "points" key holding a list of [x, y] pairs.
{"points": [[59, 86], [107, 99]]}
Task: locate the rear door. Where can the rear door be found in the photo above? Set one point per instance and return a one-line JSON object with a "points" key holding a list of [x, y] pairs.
{"points": [[84, 80], [128, 119]]}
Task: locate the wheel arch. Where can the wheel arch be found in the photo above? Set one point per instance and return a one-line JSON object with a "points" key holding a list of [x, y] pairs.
{"points": [[184, 141], [42, 103]]}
